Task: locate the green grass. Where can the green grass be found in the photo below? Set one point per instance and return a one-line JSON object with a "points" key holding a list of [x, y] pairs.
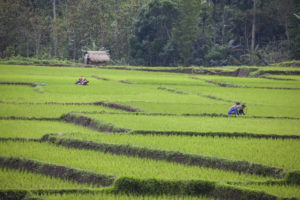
{"points": [[120, 166], [36, 129], [261, 102], [202, 124], [252, 82], [248, 95], [179, 108], [284, 191], [15, 179], [294, 77], [279, 153], [48, 110], [144, 94], [219, 108], [66, 91]]}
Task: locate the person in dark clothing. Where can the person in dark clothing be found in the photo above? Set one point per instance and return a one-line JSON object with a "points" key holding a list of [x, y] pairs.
{"points": [[241, 109], [85, 82], [79, 82], [82, 81]]}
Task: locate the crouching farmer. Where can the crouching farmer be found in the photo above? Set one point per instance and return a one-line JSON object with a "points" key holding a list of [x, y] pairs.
{"points": [[234, 109]]}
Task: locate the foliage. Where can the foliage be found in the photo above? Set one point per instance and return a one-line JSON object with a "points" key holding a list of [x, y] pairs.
{"points": [[218, 55], [295, 29], [19, 60], [160, 187], [186, 30], [153, 33], [293, 178]]}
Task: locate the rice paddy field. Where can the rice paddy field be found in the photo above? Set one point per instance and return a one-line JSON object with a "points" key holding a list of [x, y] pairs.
{"points": [[132, 134]]}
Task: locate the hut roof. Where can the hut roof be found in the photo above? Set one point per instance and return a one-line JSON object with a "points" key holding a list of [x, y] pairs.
{"points": [[98, 56]]}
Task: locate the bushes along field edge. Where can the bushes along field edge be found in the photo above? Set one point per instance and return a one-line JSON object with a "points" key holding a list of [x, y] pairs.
{"points": [[293, 178], [20, 194], [29, 118], [92, 123], [193, 188], [18, 83], [215, 134]]}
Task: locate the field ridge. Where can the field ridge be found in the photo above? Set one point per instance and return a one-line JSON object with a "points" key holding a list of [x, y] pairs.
{"points": [[58, 171], [170, 156]]}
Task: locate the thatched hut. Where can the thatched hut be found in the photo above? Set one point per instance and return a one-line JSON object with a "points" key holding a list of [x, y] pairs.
{"points": [[96, 57]]}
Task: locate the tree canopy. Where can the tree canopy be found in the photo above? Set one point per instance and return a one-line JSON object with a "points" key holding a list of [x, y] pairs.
{"points": [[153, 32]]}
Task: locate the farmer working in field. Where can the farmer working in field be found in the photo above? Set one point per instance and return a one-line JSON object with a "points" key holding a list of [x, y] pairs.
{"points": [[241, 109], [237, 109], [234, 109], [79, 81], [82, 81]]}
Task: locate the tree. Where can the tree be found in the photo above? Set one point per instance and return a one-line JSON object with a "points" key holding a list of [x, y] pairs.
{"points": [[54, 28], [295, 30], [186, 30], [253, 25], [153, 32]]}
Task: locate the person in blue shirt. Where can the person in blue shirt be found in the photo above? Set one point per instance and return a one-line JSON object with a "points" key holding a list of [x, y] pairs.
{"points": [[234, 109]]}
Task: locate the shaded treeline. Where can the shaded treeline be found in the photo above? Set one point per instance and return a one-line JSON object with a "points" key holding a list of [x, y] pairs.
{"points": [[153, 32]]}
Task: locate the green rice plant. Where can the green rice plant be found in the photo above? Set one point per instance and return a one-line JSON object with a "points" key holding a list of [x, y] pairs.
{"points": [[15, 179], [250, 96], [60, 88], [202, 124], [267, 111], [119, 166], [283, 191], [170, 156], [287, 77], [279, 153], [248, 82], [260, 102], [60, 85], [64, 91], [35, 128], [48, 110], [143, 93], [179, 108]]}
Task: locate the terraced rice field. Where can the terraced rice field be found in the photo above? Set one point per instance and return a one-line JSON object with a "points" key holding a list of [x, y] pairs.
{"points": [[135, 134]]}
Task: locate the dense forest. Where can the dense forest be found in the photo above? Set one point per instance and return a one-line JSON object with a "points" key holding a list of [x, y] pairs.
{"points": [[153, 32]]}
